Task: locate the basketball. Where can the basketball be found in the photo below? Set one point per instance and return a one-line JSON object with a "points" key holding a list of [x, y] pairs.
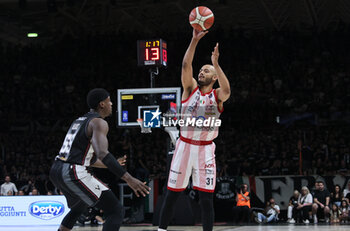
{"points": [[201, 18]]}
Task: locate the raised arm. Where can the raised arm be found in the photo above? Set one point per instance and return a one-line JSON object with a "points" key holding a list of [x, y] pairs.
{"points": [[99, 129], [224, 90], [188, 82]]}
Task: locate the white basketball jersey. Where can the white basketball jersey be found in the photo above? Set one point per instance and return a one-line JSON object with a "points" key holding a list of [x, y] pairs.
{"points": [[204, 107]]}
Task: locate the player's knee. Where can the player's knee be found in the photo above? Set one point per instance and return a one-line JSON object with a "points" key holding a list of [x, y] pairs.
{"points": [[206, 199], [116, 218], [111, 207], [116, 214], [70, 219], [117, 208], [172, 196]]}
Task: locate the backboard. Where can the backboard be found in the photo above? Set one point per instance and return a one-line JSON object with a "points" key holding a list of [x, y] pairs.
{"points": [[132, 103]]}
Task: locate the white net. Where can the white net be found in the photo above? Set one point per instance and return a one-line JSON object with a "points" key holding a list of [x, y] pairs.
{"points": [[143, 128]]}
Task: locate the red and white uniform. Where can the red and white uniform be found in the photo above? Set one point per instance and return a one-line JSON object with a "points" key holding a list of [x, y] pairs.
{"points": [[195, 150]]}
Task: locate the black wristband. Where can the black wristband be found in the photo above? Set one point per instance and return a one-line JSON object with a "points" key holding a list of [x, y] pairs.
{"points": [[113, 165]]}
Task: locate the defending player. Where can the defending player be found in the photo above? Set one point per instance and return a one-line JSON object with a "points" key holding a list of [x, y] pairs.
{"points": [[194, 152], [86, 145]]}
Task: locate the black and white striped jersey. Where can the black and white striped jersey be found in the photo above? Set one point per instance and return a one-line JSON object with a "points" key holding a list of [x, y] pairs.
{"points": [[77, 148]]}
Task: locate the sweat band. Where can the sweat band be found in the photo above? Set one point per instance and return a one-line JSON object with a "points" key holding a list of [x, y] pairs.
{"points": [[113, 165]]}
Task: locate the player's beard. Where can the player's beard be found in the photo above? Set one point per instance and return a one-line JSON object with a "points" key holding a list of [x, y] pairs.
{"points": [[205, 81]]}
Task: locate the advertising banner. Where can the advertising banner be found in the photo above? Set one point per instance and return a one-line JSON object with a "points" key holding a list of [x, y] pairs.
{"points": [[32, 210]]}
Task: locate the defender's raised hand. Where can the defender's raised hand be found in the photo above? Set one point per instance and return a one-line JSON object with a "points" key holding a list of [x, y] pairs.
{"points": [[122, 160]]}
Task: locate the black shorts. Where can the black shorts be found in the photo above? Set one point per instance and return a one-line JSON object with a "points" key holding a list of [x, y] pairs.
{"points": [[76, 183]]}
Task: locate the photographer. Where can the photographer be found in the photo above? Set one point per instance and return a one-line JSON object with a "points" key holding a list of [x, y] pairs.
{"points": [[272, 210], [241, 211]]}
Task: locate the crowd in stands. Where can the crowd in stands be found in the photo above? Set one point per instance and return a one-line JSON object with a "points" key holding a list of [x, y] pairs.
{"points": [[287, 88], [320, 203], [309, 205]]}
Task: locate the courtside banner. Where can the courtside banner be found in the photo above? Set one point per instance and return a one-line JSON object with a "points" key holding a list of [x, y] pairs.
{"points": [[32, 210]]}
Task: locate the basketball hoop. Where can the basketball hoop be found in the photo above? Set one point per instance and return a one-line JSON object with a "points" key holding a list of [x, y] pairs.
{"points": [[143, 128]]}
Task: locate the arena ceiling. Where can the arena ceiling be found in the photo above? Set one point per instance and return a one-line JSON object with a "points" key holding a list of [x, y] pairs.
{"points": [[53, 18]]}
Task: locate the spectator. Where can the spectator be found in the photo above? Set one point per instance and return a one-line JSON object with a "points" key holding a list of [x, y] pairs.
{"points": [[241, 211], [28, 187], [8, 186], [335, 214], [336, 196], [293, 204], [100, 217], [21, 193], [34, 192], [271, 213], [314, 189], [347, 198], [346, 193], [9, 193], [344, 211], [321, 202], [304, 205]]}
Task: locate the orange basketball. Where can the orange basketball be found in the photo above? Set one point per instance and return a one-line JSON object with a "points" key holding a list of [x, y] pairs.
{"points": [[201, 18]]}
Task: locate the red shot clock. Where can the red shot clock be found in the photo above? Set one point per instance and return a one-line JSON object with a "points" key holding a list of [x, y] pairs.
{"points": [[152, 52]]}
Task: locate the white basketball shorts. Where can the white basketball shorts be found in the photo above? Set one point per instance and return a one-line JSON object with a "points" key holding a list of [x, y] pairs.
{"points": [[196, 160]]}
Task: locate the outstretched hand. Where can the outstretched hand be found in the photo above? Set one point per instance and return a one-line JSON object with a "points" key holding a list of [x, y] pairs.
{"points": [[215, 55], [122, 160], [138, 187], [198, 34]]}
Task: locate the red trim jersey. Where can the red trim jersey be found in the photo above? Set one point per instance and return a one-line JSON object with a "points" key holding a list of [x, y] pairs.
{"points": [[194, 153], [203, 107]]}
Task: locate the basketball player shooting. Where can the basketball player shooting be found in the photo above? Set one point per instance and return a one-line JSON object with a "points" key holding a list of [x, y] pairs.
{"points": [[195, 150], [86, 145]]}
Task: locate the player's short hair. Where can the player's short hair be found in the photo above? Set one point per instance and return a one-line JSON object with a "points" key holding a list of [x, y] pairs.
{"points": [[211, 66], [95, 96]]}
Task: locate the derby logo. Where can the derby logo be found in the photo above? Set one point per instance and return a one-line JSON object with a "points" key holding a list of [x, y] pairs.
{"points": [[46, 210]]}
